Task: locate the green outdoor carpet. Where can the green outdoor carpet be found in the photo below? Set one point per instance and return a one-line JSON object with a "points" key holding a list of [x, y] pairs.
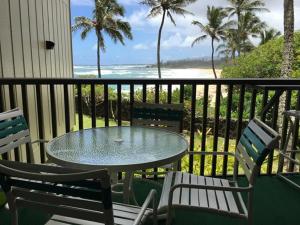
{"points": [[275, 203], [2, 198]]}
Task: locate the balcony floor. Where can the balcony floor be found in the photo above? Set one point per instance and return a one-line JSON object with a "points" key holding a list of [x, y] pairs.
{"points": [[276, 203]]}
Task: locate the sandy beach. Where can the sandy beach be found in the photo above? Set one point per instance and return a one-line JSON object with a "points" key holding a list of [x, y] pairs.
{"points": [[197, 73]]}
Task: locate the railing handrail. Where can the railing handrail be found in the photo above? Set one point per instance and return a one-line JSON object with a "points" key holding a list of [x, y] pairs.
{"points": [[226, 81]]}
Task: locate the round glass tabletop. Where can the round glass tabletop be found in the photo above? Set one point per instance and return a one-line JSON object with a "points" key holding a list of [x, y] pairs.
{"points": [[124, 148]]}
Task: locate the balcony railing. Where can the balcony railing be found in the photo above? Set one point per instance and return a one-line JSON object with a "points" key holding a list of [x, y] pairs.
{"points": [[216, 109]]}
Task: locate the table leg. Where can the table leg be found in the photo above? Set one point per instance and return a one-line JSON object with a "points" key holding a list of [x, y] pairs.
{"points": [[127, 189], [114, 177]]}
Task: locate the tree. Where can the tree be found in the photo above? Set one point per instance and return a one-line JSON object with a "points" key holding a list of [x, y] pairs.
{"points": [[288, 49], [106, 19], [165, 7], [240, 7], [229, 46], [268, 34], [215, 29], [250, 26]]}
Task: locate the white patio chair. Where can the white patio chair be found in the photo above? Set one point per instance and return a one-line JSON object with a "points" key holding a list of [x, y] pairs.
{"points": [[14, 132], [222, 196], [82, 198]]}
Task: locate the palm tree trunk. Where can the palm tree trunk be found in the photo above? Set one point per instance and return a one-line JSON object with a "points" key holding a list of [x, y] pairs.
{"points": [[288, 50], [158, 44], [98, 60], [212, 57], [98, 55], [239, 32]]}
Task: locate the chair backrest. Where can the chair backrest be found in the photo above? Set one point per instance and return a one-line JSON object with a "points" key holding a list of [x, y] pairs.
{"points": [[168, 116], [256, 142], [14, 131], [56, 190]]}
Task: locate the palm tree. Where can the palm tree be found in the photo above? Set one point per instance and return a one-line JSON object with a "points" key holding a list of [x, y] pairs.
{"points": [[229, 46], [165, 7], [215, 29], [288, 49], [106, 19], [239, 7], [268, 34], [250, 26]]}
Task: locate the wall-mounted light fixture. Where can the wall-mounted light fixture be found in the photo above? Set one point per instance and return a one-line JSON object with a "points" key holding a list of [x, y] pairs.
{"points": [[49, 44]]}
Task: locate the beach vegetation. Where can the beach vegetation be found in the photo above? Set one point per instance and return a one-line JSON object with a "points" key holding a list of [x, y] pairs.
{"points": [[268, 34], [203, 63], [165, 8], [215, 29], [106, 19], [265, 61]]}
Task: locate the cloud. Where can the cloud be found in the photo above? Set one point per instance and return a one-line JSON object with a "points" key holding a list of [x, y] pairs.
{"points": [[83, 2], [141, 46], [174, 40], [139, 21], [178, 40], [128, 2], [138, 18]]}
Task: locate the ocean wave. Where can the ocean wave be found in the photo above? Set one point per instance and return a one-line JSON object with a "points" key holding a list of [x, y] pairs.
{"points": [[140, 72], [93, 72]]}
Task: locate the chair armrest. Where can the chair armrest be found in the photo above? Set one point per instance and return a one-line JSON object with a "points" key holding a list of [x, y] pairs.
{"points": [[209, 187], [150, 198], [39, 141], [211, 153], [289, 158]]}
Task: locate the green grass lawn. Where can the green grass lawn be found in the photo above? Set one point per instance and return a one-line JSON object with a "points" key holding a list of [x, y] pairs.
{"points": [[87, 122]]}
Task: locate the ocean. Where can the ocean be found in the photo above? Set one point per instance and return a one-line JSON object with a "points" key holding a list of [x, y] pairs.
{"points": [[140, 71]]}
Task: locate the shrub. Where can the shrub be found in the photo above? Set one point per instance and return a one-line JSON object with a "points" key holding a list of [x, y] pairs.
{"points": [[263, 62]]}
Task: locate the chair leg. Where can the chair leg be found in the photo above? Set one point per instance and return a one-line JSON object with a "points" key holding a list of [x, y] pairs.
{"points": [[249, 222], [169, 217], [154, 210], [14, 219]]}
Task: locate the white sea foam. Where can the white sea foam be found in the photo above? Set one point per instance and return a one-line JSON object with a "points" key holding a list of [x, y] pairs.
{"points": [[141, 71]]}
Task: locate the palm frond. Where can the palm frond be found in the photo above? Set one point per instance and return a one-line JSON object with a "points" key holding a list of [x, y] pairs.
{"points": [[157, 10], [171, 17], [82, 22], [198, 39], [125, 28], [179, 11], [85, 32], [150, 3], [199, 24], [115, 35]]}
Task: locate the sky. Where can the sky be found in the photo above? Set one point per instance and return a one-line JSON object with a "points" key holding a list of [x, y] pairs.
{"points": [[176, 40]]}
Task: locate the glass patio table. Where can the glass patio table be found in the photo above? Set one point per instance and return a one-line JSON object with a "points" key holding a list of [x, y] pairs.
{"points": [[117, 149]]}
